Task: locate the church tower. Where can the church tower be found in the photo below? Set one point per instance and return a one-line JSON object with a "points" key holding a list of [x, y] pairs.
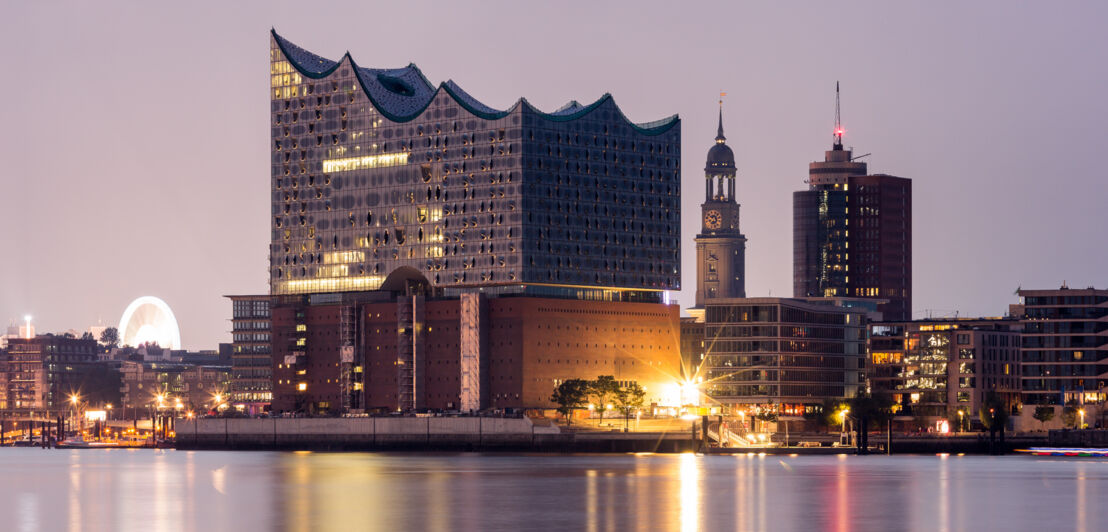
{"points": [[720, 246]]}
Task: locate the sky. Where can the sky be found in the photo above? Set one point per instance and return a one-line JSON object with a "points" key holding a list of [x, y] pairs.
{"points": [[134, 135]]}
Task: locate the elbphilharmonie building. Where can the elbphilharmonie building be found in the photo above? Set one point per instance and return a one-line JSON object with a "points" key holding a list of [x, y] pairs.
{"points": [[374, 170]]}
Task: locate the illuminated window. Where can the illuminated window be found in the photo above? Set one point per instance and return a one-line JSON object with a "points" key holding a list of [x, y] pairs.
{"points": [[302, 386]]}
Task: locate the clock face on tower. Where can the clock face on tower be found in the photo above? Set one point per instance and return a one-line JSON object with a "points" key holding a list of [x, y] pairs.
{"points": [[713, 219]]}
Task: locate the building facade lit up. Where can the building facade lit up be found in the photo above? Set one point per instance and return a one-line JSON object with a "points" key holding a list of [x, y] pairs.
{"points": [[377, 169], [944, 369], [430, 251]]}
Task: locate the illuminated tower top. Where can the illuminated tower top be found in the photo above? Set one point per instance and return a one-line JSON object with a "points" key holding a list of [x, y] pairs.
{"points": [[838, 163]]}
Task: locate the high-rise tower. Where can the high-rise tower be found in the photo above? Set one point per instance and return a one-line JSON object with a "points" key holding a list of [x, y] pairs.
{"points": [[720, 246], [852, 232]]}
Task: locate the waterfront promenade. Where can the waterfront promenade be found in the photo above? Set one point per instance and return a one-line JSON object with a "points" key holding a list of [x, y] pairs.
{"points": [[525, 435]]}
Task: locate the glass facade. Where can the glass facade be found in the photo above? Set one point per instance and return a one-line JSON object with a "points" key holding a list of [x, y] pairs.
{"points": [[374, 170], [933, 369], [773, 351]]}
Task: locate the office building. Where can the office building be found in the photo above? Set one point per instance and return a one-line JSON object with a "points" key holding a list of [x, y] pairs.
{"points": [[251, 352], [784, 355], [1063, 352], [852, 233], [943, 370], [44, 371]]}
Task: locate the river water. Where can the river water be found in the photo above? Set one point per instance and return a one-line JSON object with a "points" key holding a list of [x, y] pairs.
{"points": [[208, 491]]}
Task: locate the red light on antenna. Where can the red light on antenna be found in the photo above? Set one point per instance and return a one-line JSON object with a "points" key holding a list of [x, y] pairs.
{"points": [[839, 131]]}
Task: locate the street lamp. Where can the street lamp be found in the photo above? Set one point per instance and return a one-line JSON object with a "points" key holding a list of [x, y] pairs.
{"points": [[842, 418], [155, 413], [219, 399], [75, 401], [961, 414]]}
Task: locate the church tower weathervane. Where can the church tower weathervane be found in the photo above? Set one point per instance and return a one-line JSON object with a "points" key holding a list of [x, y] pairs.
{"points": [[720, 246]]}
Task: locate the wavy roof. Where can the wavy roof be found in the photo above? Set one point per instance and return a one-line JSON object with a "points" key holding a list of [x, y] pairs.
{"points": [[401, 94]]}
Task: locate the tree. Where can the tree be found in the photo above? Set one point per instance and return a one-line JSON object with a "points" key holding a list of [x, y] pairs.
{"points": [[828, 413], [1069, 416], [866, 409], [87, 336], [627, 399], [601, 390], [68, 335], [1044, 413], [994, 415], [110, 337], [100, 385], [569, 396]]}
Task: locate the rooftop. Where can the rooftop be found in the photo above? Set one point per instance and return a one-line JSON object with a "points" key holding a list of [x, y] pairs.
{"points": [[401, 94]]}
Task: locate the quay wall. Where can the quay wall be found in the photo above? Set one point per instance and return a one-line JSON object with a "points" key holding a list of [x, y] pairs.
{"points": [[412, 434], [1095, 438]]}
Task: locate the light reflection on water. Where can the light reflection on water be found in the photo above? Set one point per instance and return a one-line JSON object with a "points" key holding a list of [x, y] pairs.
{"points": [[143, 490]]}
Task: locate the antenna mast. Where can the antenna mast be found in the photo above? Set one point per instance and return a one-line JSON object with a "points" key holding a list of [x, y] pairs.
{"points": [[838, 121]]}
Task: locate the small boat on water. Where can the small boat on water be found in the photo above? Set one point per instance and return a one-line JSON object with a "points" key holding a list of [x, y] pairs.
{"points": [[1066, 451], [78, 443]]}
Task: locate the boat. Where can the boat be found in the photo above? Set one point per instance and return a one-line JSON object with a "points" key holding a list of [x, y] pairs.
{"points": [[82, 444], [1080, 452]]}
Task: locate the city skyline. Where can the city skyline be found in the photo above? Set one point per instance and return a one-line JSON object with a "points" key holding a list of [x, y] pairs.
{"points": [[160, 193]]}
